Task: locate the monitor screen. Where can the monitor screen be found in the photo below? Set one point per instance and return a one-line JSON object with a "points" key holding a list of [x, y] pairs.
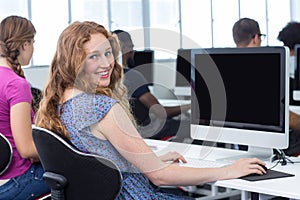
{"points": [[240, 96], [183, 68], [297, 67], [143, 62], [295, 81]]}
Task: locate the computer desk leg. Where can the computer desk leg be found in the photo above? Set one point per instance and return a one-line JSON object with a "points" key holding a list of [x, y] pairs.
{"points": [[214, 190], [244, 195], [258, 196], [265, 197]]}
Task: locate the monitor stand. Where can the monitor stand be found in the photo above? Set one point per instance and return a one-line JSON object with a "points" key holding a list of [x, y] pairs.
{"points": [[261, 153]]}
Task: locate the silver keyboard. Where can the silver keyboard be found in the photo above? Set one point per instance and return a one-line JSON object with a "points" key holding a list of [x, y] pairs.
{"points": [[197, 163]]}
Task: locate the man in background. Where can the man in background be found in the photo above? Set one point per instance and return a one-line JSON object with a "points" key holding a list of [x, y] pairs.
{"points": [[246, 33], [290, 36], [155, 121]]}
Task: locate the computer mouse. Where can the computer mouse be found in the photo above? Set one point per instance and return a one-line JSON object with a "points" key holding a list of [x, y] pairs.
{"points": [[254, 174], [264, 167]]}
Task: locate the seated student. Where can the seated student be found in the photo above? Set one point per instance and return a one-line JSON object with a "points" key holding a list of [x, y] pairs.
{"points": [[86, 102], [290, 36], [246, 33], [161, 124], [25, 174]]}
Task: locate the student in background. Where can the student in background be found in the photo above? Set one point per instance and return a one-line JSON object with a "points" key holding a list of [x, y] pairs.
{"points": [[90, 107], [290, 36], [246, 33], [24, 175], [161, 124]]}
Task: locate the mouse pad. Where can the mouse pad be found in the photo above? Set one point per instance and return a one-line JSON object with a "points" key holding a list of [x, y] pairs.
{"points": [[271, 174]]}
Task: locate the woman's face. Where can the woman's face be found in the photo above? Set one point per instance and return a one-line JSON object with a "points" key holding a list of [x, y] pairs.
{"points": [[99, 62], [26, 52]]}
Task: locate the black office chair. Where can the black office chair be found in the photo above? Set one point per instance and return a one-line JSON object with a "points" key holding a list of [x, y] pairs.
{"points": [[6, 153], [72, 174]]}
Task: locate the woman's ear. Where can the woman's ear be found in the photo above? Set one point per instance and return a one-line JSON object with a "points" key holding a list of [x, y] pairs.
{"points": [[24, 45]]}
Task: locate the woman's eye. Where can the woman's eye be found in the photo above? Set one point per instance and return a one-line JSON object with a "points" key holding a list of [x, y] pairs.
{"points": [[93, 57], [108, 53]]}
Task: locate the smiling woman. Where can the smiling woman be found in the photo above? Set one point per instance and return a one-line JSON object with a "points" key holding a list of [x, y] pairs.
{"points": [[99, 63], [96, 117]]}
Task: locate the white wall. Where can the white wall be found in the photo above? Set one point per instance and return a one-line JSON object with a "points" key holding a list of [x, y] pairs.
{"points": [[295, 14]]}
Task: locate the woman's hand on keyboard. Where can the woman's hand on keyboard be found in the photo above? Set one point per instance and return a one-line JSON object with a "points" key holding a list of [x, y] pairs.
{"points": [[245, 166], [172, 156]]}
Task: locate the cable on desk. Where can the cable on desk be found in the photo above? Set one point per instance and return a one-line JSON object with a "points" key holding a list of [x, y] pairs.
{"points": [[281, 158]]}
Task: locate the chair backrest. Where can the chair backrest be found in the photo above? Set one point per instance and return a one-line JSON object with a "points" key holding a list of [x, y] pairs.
{"points": [[88, 176], [6, 153]]}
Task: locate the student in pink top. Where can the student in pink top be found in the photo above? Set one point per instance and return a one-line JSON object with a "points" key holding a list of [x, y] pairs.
{"points": [[25, 172]]}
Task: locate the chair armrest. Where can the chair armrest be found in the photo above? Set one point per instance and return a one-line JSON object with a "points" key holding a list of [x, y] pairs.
{"points": [[57, 183]]}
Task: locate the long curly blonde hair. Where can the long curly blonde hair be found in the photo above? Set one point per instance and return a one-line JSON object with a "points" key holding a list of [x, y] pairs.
{"points": [[65, 69]]}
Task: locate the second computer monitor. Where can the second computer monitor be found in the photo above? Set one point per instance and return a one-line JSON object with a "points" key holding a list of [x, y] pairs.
{"points": [[295, 80], [297, 67], [295, 83], [183, 68], [143, 62]]}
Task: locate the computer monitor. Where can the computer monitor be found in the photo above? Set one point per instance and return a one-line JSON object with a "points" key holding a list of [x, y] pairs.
{"points": [[297, 67], [143, 62], [295, 81], [240, 96], [183, 68]]}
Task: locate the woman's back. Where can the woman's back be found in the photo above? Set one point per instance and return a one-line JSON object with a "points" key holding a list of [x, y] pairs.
{"points": [[84, 110], [13, 90]]}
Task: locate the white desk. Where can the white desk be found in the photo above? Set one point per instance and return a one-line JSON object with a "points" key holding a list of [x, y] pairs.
{"points": [[295, 109], [173, 102], [285, 187], [296, 95], [182, 91]]}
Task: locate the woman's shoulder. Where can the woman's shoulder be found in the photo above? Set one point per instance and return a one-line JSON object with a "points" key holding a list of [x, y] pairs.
{"points": [[83, 110], [87, 103], [10, 77], [94, 98], [11, 83]]}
